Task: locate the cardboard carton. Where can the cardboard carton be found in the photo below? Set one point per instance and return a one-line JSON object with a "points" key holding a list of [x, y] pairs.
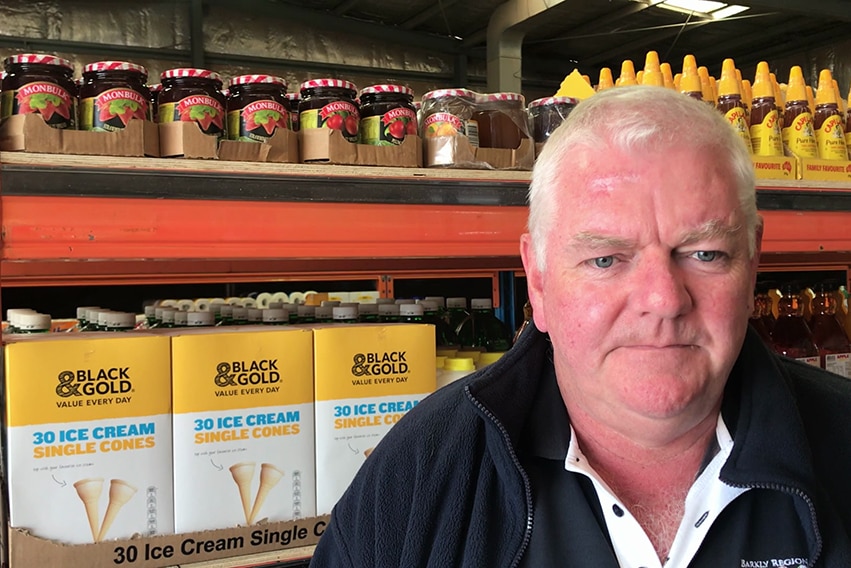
{"points": [[282, 147], [27, 551], [29, 133], [329, 146], [771, 167], [824, 170], [185, 140]]}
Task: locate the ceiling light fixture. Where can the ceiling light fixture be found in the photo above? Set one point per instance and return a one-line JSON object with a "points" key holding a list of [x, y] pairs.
{"points": [[709, 9]]}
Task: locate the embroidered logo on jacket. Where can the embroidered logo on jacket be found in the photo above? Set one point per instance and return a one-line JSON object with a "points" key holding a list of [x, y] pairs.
{"points": [[781, 562]]}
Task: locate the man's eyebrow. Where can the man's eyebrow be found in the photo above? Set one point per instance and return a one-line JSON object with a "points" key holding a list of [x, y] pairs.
{"points": [[714, 229], [593, 241]]}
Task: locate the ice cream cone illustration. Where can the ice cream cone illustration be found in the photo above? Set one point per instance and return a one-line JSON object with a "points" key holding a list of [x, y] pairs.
{"points": [[89, 491], [269, 477], [119, 493], [243, 473]]}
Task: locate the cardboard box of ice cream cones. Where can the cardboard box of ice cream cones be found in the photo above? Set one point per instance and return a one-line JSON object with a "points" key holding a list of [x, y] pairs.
{"points": [[367, 377], [243, 427], [88, 433]]}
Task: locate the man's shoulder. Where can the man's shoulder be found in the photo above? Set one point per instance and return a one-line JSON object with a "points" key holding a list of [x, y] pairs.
{"points": [[823, 398]]}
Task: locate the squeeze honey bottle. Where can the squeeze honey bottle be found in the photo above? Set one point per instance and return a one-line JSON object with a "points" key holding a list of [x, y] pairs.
{"points": [[827, 120], [606, 81], [652, 71], [765, 124], [829, 336], [730, 102], [627, 76], [798, 134], [791, 335], [690, 79], [706, 86]]}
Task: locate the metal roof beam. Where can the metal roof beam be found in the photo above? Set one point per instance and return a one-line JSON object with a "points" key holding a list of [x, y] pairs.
{"points": [[729, 47], [833, 9], [623, 50], [327, 21], [427, 14]]}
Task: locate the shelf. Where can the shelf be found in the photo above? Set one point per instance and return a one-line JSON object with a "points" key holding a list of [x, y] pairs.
{"points": [[75, 220]]}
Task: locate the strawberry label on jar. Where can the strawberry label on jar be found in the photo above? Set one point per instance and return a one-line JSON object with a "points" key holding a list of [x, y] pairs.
{"points": [[257, 121], [203, 109], [390, 128], [112, 110], [49, 100], [338, 115]]}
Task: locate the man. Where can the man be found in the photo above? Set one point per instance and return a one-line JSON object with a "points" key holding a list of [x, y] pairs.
{"points": [[640, 424]]}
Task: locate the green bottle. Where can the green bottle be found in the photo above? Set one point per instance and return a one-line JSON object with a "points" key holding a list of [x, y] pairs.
{"points": [[482, 329]]}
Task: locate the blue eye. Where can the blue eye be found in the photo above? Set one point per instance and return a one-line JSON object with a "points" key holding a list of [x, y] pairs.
{"points": [[706, 255], [604, 261]]}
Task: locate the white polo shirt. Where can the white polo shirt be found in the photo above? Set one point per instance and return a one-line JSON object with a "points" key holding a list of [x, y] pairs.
{"points": [[706, 498]]}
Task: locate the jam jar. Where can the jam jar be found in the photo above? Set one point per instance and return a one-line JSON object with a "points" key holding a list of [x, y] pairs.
{"points": [[447, 112], [153, 108], [387, 115], [112, 94], [329, 103], [294, 99], [193, 95], [502, 120], [257, 107], [547, 114], [40, 84]]}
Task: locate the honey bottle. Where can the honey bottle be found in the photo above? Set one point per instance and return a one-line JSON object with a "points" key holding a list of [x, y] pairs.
{"points": [[730, 102], [827, 120], [848, 125], [765, 123], [705, 85], [756, 320], [798, 134], [606, 81], [652, 71], [791, 335], [667, 75], [828, 334], [627, 77], [690, 84]]}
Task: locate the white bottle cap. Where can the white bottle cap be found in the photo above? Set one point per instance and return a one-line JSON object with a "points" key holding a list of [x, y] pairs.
{"points": [[323, 312], [81, 311], [380, 301], [428, 305], [275, 315], [368, 309], [344, 312], [16, 311], [306, 311], [168, 315], [459, 364], [150, 311], [276, 305], [481, 304], [255, 315], [215, 309], [120, 320], [240, 313], [410, 310], [180, 318], [200, 319], [33, 321], [456, 303], [349, 305], [401, 301], [103, 317], [388, 309], [227, 311], [330, 303], [439, 300]]}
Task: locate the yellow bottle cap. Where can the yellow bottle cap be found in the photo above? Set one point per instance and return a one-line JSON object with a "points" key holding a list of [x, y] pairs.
{"points": [[667, 75], [728, 85], [446, 352], [825, 93], [713, 87], [762, 86], [677, 79], [705, 85], [811, 100], [779, 96], [459, 364], [440, 360], [639, 76], [474, 355], [797, 89], [747, 93], [839, 100], [627, 77], [652, 71], [490, 357], [606, 81], [690, 81]]}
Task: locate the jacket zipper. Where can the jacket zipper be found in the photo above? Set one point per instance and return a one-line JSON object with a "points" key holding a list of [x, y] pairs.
{"points": [[791, 491], [527, 535]]}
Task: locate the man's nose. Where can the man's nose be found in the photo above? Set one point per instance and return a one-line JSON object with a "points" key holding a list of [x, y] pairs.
{"points": [[659, 287]]}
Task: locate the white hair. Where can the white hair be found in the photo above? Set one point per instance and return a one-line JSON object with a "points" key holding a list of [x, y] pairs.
{"points": [[634, 120]]}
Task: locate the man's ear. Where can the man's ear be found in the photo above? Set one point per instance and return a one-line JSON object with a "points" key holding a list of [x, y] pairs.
{"points": [[534, 280]]}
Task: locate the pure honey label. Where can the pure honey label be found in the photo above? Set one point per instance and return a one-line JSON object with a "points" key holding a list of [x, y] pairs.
{"points": [[800, 137], [766, 139], [831, 139], [738, 121]]}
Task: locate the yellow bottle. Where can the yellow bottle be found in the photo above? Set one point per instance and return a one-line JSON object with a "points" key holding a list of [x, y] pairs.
{"points": [[827, 120], [606, 81], [667, 75], [627, 77], [690, 83], [705, 85], [730, 101], [798, 134], [764, 120], [652, 71]]}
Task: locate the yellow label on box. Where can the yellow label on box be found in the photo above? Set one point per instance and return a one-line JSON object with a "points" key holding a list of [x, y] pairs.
{"points": [[824, 170], [366, 361], [224, 371], [71, 379], [774, 167]]}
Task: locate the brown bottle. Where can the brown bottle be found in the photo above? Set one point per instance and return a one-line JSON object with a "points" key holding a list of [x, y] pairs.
{"points": [[764, 121], [828, 334], [755, 319], [791, 335], [798, 134], [690, 79], [827, 121], [730, 102]]}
